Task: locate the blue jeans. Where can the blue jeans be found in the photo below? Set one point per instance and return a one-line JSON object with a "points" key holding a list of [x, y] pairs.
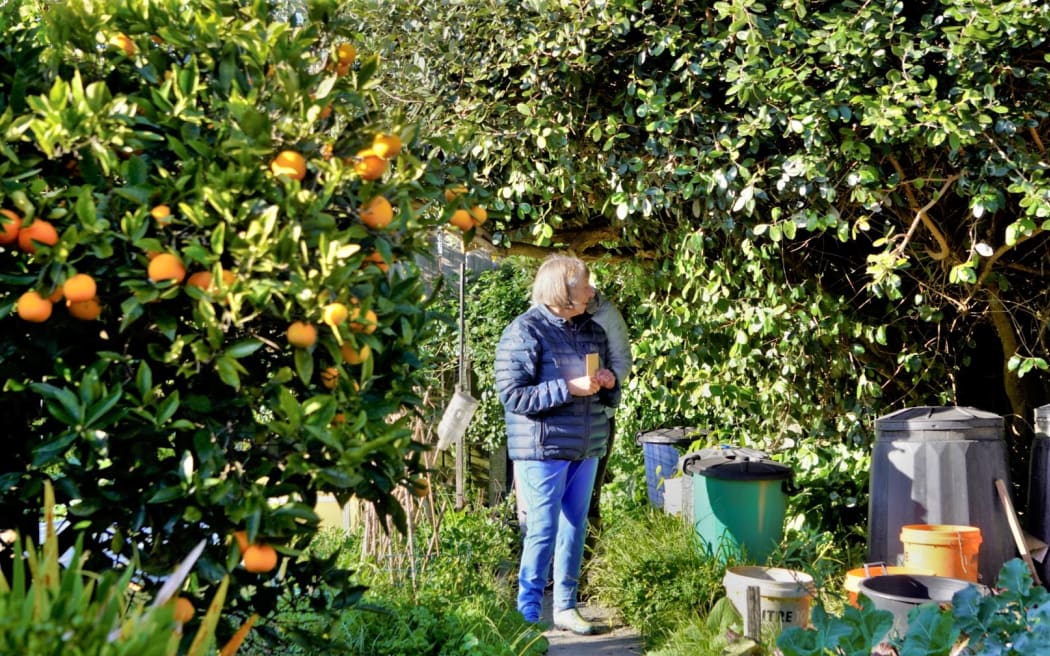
{"points": [[555, 495]]}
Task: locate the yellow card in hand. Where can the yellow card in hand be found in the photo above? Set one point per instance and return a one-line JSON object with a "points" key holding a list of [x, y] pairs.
{"points": [[592, 364]]}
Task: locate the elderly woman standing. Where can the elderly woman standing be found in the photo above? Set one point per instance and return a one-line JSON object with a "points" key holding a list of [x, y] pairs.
{"points": [[557, 428]]}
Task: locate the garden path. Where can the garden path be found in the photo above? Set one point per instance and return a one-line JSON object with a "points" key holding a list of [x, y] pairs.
{"points": [[617, 639]]}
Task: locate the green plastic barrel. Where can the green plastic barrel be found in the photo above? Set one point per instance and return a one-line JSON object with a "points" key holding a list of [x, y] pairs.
{"points": [[738, 504]]}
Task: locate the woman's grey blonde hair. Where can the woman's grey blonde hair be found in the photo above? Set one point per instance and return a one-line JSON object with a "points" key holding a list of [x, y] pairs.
{"points": [[557, 277]]}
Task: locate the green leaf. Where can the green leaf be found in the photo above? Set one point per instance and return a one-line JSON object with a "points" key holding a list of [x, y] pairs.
{"points": [[304, 365], [166, 494], [227, 368], [243, 348], [62, 403]]}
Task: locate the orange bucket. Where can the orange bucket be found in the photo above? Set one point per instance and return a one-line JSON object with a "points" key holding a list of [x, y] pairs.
{"points": [[944, 549], [870, 570]]}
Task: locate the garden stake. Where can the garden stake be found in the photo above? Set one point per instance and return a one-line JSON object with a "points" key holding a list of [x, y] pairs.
{"points": [[753, 622], [1015, 528]]}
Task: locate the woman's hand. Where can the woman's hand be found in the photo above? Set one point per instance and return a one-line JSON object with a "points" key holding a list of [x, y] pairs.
{"points": [[605, 378], [583, 386]]}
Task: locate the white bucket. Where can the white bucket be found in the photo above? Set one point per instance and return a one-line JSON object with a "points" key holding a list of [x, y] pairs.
{"points": [[784, 594]]}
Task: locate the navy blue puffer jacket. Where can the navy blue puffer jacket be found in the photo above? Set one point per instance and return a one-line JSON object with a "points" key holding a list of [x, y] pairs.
{"points": [[536, 355]]}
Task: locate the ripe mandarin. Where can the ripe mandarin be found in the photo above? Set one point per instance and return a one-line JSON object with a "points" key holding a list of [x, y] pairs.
{"points": [[87, 310], [79, 287], [366, 324], [387, 146], [259, 558], [33, 307], [330, 377], [334, 314], [161, 214], [346, 53], [368, 165], [201, 280], [378, 213], [39, 231], [353, 355], [289, 163], [302, 334], [166, 266], [452, 192], [10, 223], [375, 257], [462, 220]]}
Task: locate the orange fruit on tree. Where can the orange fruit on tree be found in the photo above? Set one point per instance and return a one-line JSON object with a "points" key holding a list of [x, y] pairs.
{"points": [[259, 558], [375, 257], [302, 334], [462, 220], [86, 310], [339, 419], [330, 377], [479, 214], [39, 231], [33, 307], [345, 54], [242, 539], [334, 314], [342, 69], [10, 223], [183, 610], [79, 287], [387, 146], [366, 324], [378, 213], [453, 192], [201, 280], [289, 163], [56, 295], [166, 266], [125, 43], [353, 355], [162, 215], [368, 165], [206, 281]]}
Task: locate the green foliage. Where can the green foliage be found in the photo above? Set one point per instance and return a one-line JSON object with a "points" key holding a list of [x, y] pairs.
{"points": [[856, 633], [52, 605], [651, 568], [471, 626], [444, 591], [183, 413], [1012, 619], [1009, 619], [882, 161]]}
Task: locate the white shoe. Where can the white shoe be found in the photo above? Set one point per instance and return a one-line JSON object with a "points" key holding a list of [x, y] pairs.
{"points": [[571, 620]]}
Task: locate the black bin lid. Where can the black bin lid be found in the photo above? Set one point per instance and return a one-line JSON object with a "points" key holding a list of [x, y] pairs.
{"points": [[682, 435], [736, 465]]}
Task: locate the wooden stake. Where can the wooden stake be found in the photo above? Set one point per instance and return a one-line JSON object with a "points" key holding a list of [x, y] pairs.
{"points": [[1015, 528], [753, 621]]}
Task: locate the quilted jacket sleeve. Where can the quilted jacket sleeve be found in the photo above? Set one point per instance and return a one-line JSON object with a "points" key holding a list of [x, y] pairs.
{"points": [[518, 357]]}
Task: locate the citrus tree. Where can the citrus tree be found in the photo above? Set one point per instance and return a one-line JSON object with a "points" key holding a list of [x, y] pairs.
{"points": [[209, 302]]}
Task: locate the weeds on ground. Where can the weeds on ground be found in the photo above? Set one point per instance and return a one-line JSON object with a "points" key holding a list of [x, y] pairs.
{"points": [[444, 590]]}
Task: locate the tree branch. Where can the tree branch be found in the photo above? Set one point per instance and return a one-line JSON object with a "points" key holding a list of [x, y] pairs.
{"points": [[922, 213]]}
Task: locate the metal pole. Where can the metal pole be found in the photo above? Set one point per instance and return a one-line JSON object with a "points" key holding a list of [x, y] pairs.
{"points": [[461, 464]]}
